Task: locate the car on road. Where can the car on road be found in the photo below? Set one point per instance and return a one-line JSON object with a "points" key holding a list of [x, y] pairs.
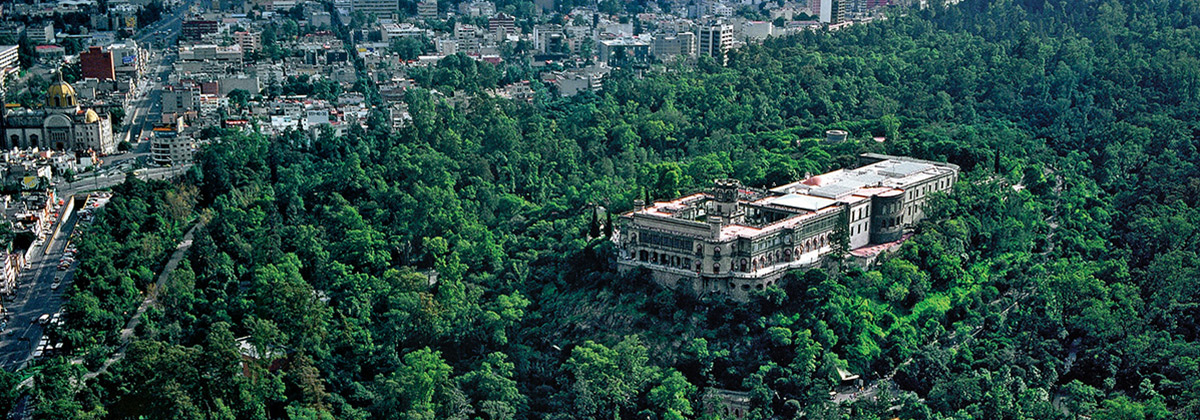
{"points": [[56, 284], [43, 319]]}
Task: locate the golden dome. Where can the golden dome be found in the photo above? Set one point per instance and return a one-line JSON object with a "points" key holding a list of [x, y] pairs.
{"points": [[60, 95], [90, 116]]}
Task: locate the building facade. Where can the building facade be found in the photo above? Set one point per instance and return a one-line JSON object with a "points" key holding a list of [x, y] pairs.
{"points": [[378, 7], [734, 239], [9, 61], [61, 125], [716, 40], [180, 99], [427, 9], [666, 46], [97, 63], [832, 11], [194, 30], [41, 33], [169, 147], [250, 41]]}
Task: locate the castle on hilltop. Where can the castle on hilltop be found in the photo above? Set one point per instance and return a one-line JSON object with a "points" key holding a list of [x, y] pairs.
{"points": [[733, 239]]}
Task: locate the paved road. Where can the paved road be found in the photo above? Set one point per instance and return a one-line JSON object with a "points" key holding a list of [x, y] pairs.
{"points": [[104, 182], [146, 110], [34, 298]]}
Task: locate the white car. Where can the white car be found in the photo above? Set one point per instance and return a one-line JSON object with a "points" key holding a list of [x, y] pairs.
{"points": [[55, 285]]}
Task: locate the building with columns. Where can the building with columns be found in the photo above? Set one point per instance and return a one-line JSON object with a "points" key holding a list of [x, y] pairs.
{"points": [[60, 125], [733, 239]]}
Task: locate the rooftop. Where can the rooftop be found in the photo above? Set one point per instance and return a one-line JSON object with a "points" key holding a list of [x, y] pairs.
{"points": [[788, 205]]}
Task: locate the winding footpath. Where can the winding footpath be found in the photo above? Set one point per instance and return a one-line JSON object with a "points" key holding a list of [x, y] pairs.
{"points": [[151, 296]]}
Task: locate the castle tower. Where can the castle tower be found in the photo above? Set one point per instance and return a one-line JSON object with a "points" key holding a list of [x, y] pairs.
{"points": [[725, 200]]}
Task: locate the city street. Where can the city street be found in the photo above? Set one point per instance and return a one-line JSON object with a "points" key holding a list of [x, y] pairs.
{"points": [[34, 298], [146, 110]]}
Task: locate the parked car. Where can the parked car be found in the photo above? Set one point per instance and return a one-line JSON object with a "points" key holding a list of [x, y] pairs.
{"points": [[55, 285], [43, 319]]}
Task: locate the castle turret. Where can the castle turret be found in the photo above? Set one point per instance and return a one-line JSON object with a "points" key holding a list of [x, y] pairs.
{"points": [[725, 200], [887, 221]]}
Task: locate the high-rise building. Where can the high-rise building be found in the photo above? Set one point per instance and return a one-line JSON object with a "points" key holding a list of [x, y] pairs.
{"points": [[716, 40], [833, 11], [378, 7], [427, 9], [502, 22], [97, 63]]}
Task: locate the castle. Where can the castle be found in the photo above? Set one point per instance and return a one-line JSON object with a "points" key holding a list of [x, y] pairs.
{"points": [[733, 239], [61, 125]]}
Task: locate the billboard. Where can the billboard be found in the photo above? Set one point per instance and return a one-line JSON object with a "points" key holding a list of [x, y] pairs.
{"points": [[129, 59]]}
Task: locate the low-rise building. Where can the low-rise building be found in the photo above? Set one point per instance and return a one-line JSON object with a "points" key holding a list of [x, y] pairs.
{"points": [[666, 47], [50, 53], [41, 33], [180, 99], [376, 7], [572, 82], [427, 9], [249, 41], [622, 51], [169, 146], [733, 239]]}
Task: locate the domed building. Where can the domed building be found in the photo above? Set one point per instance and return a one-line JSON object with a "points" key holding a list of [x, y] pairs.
{"points": [[61, 125]]}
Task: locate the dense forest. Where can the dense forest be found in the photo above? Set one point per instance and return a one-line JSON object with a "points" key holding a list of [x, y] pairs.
{"points": [[1058, 281]]}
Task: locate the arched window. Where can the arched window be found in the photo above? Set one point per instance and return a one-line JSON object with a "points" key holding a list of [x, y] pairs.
{"points": [[33, 140], [717, 252], [716, 268], [13, 140]]}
